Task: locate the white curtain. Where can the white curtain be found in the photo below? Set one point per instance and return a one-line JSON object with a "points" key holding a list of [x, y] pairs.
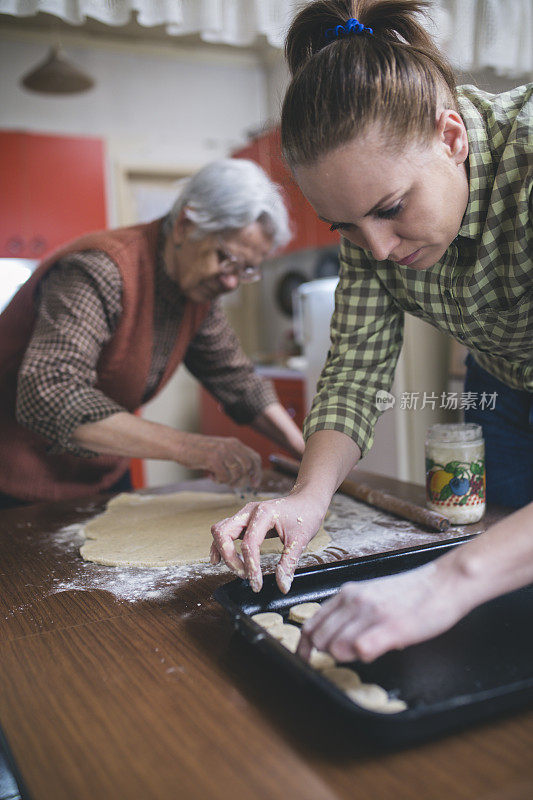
{"points": [[235, 22], [474, 33], [486, 33]]}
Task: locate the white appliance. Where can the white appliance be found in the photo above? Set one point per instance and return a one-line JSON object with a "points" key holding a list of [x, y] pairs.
{"points": [[13, 273], [314, 305]]}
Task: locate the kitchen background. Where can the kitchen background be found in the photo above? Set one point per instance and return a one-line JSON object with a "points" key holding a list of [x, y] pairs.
{"points": [[170, 94]]}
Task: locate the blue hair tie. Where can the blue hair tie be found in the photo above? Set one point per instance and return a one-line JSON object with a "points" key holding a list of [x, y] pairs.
{"points": [[352, 26]]}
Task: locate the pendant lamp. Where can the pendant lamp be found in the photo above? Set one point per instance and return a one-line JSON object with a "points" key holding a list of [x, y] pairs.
{"points": [[57, 75]]}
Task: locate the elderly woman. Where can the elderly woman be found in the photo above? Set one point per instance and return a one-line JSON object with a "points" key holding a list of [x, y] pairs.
{"points": [[431, 186], [102, 325]]}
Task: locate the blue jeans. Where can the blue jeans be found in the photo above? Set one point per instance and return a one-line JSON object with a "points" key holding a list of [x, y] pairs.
{"points": [[508, 434]]}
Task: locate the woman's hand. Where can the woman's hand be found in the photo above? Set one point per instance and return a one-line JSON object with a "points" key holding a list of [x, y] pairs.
{"points": [[368, 618], [295, 519], [226, 459]]}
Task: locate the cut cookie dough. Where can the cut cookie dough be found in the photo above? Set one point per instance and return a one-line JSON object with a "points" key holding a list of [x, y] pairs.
{"points": [[288, 635], [369, 695], [320, 660], [303, 611], [268, 619], [166, 530], [393, 706], [291, 640], [344, 678], [279, 631]]}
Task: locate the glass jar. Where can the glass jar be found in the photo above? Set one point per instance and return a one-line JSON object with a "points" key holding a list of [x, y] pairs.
{"points": [[455, 471]]}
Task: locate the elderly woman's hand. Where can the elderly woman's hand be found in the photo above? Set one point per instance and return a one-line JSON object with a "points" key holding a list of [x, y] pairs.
{"points": [[226, 459], [296, 520], [368, 618]]}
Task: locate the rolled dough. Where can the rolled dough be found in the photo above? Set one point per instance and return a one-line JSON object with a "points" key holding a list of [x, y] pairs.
{"points": [[168, 530]]}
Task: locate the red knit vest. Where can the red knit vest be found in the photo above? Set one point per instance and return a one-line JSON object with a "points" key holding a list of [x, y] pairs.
{"points": [[27, 470]]}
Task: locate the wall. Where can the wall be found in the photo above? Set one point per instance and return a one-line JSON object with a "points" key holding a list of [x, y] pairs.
{"points": [[161, 105]]}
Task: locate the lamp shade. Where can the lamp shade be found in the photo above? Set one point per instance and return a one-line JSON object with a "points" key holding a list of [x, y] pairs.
{"points": [[56, 75]]}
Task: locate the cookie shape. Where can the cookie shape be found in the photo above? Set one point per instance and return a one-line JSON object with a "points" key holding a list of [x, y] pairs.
{"points": [[303, 611], [268, 619]]}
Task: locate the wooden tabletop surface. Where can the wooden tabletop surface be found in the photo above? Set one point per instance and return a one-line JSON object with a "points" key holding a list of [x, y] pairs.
{"points": [[106, 699]]}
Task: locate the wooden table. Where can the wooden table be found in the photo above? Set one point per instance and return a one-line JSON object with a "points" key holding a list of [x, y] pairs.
{"points": [[103, 699]]}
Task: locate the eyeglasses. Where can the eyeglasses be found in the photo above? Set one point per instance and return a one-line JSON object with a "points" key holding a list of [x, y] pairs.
{"points": [[231, 265]]}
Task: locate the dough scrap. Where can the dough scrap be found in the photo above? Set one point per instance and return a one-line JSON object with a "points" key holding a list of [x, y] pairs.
{"points": [[268, 619], [303, 611], [166, 530]]}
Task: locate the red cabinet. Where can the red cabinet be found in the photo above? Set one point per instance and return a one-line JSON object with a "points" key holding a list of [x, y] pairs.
{"points": [[53, 189], [214, 422], [308, 230]]}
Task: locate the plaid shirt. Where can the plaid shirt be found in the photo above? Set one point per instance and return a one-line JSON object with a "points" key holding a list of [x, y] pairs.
{"points": [[79, 306], [480, 292]]}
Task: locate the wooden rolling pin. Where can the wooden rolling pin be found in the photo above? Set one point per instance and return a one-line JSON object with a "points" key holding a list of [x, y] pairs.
{"points": [[375, 497]]}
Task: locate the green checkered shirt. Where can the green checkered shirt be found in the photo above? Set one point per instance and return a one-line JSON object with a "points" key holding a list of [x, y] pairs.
{"points": [[480, 292]]}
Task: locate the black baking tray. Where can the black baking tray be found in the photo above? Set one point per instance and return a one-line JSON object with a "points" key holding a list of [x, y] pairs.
{"points": [[481, 668]]}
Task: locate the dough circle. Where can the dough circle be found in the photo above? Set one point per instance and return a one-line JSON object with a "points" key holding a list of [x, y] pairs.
{"points": [[268, 619], [320, 660], [288, 635], [291, 640], [303, 611], [393, 706], [344, 678], [369, 695], [166, 530]]}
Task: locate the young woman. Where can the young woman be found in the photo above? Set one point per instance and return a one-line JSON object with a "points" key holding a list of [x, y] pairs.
{"points": [[431, 187]]}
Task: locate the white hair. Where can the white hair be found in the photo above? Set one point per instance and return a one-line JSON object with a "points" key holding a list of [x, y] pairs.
{"points": [[230, 194]]}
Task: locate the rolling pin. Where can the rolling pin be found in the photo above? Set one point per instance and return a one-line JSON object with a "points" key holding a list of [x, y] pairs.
{"points": [[375, 497]]}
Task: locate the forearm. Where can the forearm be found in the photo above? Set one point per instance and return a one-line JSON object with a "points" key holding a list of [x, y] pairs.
{"points": [[494, 563], [126, 435], [329, 456], [275, 422], [225, 459]]}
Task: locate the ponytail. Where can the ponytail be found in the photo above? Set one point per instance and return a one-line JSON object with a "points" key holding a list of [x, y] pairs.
{"points": [[346, 76]]}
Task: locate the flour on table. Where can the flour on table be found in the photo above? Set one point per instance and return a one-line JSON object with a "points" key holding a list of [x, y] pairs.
{"points": [[166, 530], [355, 529]]}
